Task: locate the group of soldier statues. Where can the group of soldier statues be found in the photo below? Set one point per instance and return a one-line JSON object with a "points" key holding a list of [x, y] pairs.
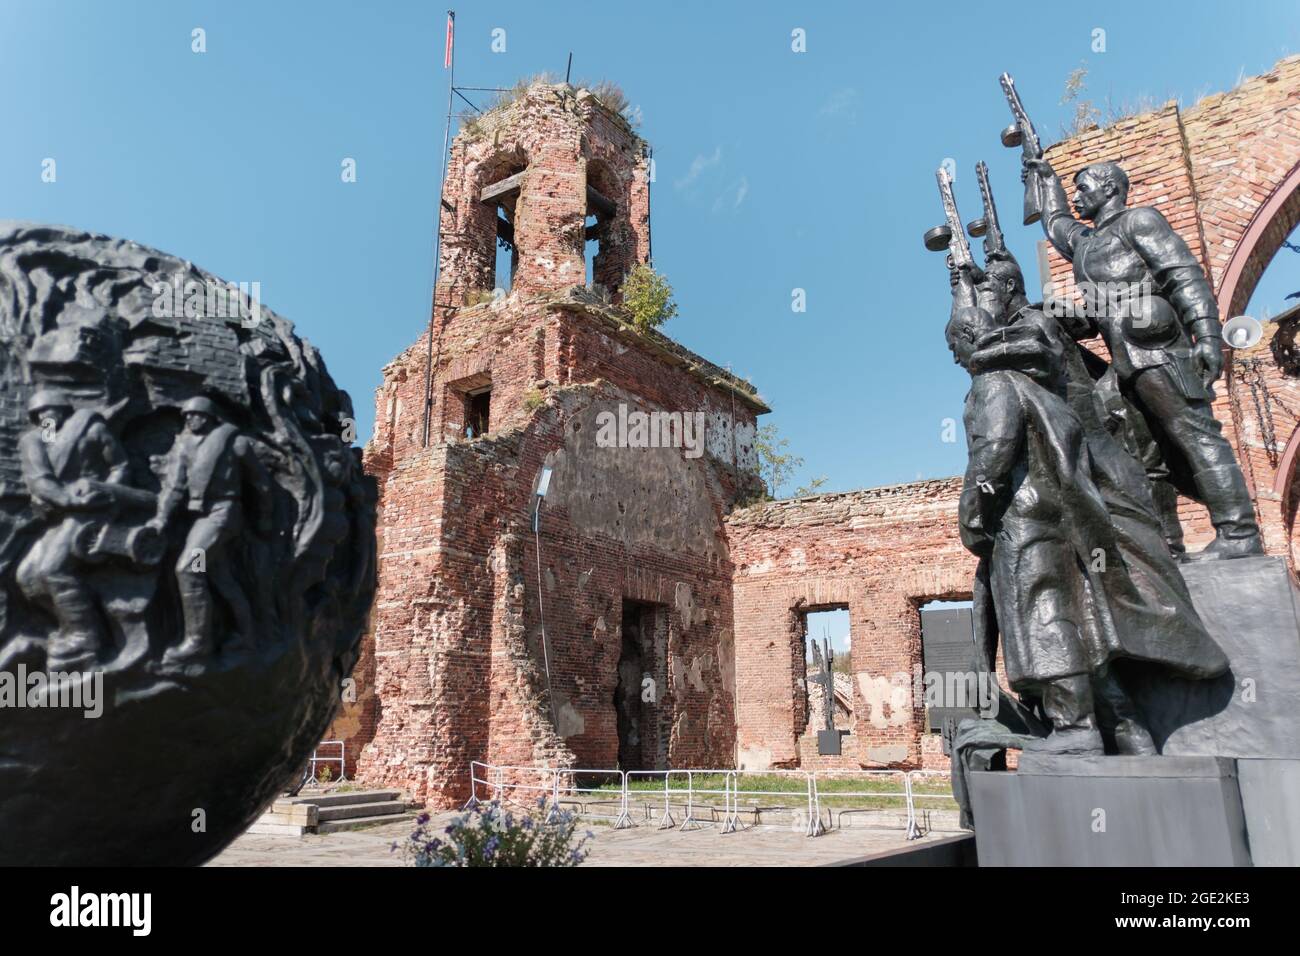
{"points": [[1075, 464], [76, 473]]}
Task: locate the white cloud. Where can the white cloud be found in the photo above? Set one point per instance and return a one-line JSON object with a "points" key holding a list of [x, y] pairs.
{"points": [[698, 165], [733, 195]]}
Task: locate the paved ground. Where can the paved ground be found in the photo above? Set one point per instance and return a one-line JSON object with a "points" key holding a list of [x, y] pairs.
{"points": [[638, 846]]}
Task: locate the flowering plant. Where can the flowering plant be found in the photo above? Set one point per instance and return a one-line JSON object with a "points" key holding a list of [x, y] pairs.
{"points": [[490, 835]]}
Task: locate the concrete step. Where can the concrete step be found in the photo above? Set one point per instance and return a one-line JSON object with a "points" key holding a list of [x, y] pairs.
{"points": [[344, 799], [264, 828], [349, 811], [357, 823]]}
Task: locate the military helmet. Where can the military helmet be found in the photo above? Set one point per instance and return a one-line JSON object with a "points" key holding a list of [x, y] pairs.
{"points": [[44, 398], [1006, 267], [200, 406]]}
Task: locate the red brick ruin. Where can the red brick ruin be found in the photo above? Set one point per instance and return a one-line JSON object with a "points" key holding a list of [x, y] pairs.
{"points": [[675, 620]]}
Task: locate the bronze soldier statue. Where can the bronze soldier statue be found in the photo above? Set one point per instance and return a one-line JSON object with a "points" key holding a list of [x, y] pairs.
{"points": [[207, 470], [1074, 575], [1075, 592], [1149, 299], [70, 462]]}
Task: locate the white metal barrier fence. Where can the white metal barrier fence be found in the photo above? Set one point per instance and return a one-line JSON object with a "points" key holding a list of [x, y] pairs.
{"points": [[559, 785], [317, 758]]}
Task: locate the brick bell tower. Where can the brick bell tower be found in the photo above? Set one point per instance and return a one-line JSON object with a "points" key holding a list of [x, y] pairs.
{"points": [[545, 175], [504, 632]]}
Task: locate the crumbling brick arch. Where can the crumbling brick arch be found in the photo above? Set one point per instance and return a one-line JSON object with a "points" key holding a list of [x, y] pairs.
{"points": [[1272, 223], [1277, 500], [485, 223], [608, 200]]}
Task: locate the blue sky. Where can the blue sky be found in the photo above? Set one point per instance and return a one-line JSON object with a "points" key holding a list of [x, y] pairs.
{"points": [[775, 170]]}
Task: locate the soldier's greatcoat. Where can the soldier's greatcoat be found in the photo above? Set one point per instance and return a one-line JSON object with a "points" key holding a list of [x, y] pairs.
{"points": [[1064, 580]]}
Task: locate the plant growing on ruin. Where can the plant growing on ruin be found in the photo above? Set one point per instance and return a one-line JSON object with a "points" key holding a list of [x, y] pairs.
{"points": [[611, 96], [490, 835], [534, 399], [478, 297], [1085, 114], [776, 466], [1088, 116], [813, 487], [648, 297]]}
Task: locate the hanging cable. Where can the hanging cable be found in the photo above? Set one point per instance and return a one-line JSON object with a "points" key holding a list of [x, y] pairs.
{"points": [[541, 611]]}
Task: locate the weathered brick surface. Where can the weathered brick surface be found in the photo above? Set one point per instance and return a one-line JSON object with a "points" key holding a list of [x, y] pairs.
{"points": [[882, 552], [562, 141], [455, 669]]}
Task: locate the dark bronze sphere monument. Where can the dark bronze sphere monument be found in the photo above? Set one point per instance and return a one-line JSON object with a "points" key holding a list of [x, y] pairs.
{"points": [[187, 552]]}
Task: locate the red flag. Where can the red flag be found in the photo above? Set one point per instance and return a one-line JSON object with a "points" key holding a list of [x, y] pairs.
{"points": [[451, 32]]}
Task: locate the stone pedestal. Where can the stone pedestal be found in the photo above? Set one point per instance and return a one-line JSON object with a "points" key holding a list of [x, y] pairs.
{"points": [[1249, 606], [1270, 797], [1225, 790], [1110, 811]]}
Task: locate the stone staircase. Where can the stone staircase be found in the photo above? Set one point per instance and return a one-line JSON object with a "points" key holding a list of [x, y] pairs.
{"points": [[329, 812]]}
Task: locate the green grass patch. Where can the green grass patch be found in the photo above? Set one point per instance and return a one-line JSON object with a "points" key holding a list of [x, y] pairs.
{"points": [[786, 790]]}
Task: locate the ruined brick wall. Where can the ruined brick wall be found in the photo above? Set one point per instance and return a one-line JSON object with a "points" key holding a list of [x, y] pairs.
{"points": [[641, 525], [459, 667], [883, 553]]}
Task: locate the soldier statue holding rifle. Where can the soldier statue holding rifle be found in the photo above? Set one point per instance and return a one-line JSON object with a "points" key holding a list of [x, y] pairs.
{"points": [[1074, 577], [1148, 298]]}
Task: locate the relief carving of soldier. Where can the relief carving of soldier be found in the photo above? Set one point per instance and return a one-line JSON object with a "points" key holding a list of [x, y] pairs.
{"points": [[197, 583], [207, 471], [70, 462]]}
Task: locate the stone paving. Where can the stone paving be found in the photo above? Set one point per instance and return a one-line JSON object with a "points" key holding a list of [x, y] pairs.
{"points": [[638, 846]]}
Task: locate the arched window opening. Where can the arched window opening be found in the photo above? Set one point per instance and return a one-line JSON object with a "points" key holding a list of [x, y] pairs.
{"points": [[604, 251], [499, 202]]}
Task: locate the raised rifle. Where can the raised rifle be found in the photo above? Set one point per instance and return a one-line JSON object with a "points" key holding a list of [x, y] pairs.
{"points": [[950, 236], [987, 225], [1021, 133]]}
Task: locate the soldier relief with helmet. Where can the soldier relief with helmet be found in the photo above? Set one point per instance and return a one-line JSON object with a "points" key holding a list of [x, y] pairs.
{"points": [[77, 474], [182, 483], [186, 530]]}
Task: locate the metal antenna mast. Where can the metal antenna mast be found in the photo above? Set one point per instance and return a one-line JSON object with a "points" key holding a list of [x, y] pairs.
{"points": [[449, 63]]}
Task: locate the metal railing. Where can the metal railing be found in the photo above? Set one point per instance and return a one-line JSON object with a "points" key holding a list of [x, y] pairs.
{"points": [[560, 785], [904, 793], [317, 759], [913, 826]]}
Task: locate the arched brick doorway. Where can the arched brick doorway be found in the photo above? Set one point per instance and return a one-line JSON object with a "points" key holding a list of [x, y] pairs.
{"points": [[1275, 219]]}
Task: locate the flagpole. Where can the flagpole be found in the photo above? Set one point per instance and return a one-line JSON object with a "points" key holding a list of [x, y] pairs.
{"points": [[449, 62]]}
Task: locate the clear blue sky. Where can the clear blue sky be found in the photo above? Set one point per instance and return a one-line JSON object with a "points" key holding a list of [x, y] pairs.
{"points": [[775, 169]]}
